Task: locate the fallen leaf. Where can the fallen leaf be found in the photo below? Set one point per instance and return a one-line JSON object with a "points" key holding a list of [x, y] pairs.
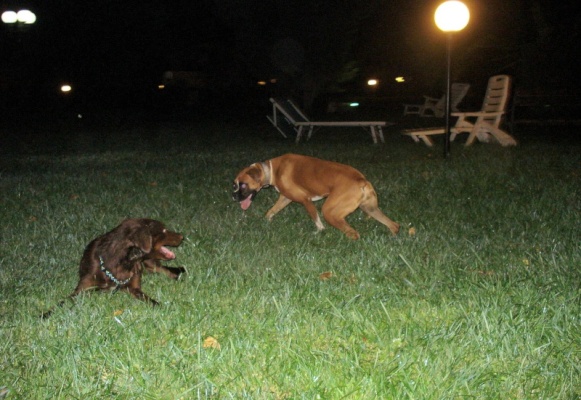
{"points": [[326, 275], [412, 231], [211, 343], [106, 376], [117, 313], [74, 196], [154, 183], [32, 218]]}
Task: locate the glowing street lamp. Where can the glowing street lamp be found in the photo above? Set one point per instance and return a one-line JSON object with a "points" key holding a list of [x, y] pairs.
{"points": [[451, 16]]}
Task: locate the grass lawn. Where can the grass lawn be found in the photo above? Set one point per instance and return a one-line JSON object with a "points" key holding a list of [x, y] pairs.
{"points": [[479, 296]]}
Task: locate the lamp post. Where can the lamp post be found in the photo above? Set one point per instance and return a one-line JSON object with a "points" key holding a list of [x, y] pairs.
{"points": [[451, 16]]}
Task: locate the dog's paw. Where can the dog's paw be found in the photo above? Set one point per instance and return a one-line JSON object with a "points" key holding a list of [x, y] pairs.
{"points": [[176, 272], [352, 235]]}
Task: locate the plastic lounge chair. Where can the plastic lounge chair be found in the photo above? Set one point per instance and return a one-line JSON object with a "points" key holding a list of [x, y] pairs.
{"points": [[289, 120], [434, 107], [483, 125]]}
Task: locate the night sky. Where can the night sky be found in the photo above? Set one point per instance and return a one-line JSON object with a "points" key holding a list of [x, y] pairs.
{"points": [[114, 48]]}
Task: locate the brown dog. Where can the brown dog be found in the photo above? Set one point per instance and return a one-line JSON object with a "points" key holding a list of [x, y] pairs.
{"points": [[304, 180], [116, 259]]}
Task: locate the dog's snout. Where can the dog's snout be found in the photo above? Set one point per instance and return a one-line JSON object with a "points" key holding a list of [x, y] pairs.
{"points": [[237, 190], [179, 238]]}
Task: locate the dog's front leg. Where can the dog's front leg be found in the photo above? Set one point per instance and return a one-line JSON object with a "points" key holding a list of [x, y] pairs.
{"points": [[281, 203], [154, 266], [134, 290], [313, 213], [139, 295]]}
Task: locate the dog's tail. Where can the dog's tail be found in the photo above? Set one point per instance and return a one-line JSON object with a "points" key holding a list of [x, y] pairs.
{"points": [[61, 303], [370, 206], [48, 313]]}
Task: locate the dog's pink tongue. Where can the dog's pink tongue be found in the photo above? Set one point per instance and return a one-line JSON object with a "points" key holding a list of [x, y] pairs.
{"points": [[246, 203], [169, 255]]}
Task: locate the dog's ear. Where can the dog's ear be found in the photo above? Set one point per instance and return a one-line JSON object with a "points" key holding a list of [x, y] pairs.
{"points": [[255, 172], [142, 239]]}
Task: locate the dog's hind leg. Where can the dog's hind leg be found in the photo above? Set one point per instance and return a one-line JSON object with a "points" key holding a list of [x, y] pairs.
{"points": [[342, 225], [337, 208], [370, 207]]}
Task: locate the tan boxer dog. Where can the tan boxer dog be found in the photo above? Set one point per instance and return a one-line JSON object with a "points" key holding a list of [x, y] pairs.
{"points": [[304, 179]]}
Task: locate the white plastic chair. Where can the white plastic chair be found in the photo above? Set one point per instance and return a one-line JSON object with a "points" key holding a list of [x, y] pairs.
{"points": [[483, 125], [436, 107]]}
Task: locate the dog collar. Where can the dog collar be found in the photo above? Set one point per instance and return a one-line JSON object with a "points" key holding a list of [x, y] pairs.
{"points": [[111, 276], [267, 168]]}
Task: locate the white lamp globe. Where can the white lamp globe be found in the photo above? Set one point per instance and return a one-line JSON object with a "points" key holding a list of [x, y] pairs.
{"points": [[452, 16]]}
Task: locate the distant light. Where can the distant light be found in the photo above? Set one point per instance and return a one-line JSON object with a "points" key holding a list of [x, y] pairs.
{"points": [[23, 16], [452, 16], [66, 88], [161, 87], [26, 16], [372, 82], [354, 104], [400, 79], [9, 17], [273, 80], [261, 83]]}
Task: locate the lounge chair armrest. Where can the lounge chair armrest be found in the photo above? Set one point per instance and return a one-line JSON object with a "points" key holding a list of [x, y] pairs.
{"points": [[476, 114], [344, 123]]}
